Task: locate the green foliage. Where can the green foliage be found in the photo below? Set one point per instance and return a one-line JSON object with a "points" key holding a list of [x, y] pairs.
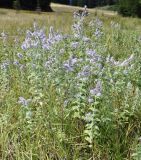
{"points": [[128, 7], [16, 5]]}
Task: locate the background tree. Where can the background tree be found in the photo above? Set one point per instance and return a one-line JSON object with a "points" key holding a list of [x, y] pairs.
{"points": [[129, 7], [6, 3], [27, 4]]}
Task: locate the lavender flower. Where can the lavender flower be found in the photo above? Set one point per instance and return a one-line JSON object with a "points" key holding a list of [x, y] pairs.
{"points": [[78, 30], [26, 44], [93, 55], [62, 51], [69, 64], [68, 67], [74, 45], [90, 100], [46, 46], [24, 102], [16, 63], [85, 72], [88, 117], [5, 64], [66, 103], [98, 33], [97, 90], [48, 63], [22, 67], [4, 36], [91, 52], [19, 55], [86, 39], [73, 61]]}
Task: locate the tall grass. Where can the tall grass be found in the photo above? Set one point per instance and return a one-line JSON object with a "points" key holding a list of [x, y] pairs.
{"points": [[69, 94]]}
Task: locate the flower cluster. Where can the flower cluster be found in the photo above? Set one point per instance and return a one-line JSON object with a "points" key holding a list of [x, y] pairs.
{"points": [[38, 38]]}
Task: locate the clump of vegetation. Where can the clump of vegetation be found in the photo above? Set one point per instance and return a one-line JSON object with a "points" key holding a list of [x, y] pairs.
{"points": [[71, 96], [129, 7]]}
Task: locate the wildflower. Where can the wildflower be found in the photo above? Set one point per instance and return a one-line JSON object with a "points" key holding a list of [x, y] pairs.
{"points": [[69, 64], [86, 39], [93, 55], [98, 33], [19, 55], [48, 63], [28, 34], [45, 46], [78, 30], [24, 102], [16, 63], [125, 72], [66, 103], [90, 100], [73, 61], [85, 72], [22, 67], [4, 36], [74, 45], [5, 64], [88, 117], [97, 90], [26, 44], [91, 52], [68, 67], [62, 51]]}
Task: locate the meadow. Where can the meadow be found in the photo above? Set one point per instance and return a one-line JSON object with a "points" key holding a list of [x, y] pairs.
{"points": [[70, 85]]}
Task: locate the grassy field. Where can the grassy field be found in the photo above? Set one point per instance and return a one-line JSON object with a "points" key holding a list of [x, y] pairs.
{"points": [[11, 21], [70, 87]]}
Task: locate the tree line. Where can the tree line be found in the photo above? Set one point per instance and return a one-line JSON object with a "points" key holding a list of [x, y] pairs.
{"points": [[44, 4], [26, 4]]}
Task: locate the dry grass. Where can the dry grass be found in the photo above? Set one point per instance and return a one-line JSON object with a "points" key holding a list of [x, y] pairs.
{"points": [[11, 21]]}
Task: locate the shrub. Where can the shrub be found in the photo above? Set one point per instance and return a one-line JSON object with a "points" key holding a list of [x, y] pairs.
{"points": [[128, 7]]}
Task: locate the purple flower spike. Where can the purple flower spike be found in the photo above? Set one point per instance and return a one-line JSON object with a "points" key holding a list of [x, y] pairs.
{"points": [[24, 102], [97, 90], [19, 55], [68, 67]]}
